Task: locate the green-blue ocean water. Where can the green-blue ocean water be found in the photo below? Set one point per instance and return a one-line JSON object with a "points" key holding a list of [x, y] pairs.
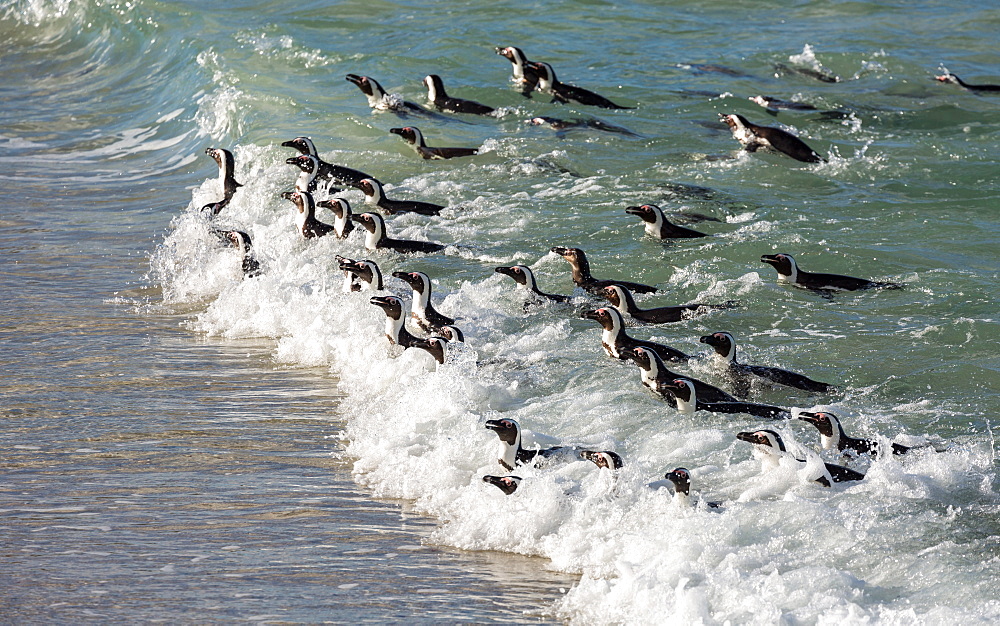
{"points": [[110, 272]]}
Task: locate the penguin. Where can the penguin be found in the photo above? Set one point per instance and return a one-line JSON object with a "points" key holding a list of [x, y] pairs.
{"points": [[342, 225], [379, 100], [367, 273], [415, 138], [227, 177], [789, 272], [656, 225], [603, 459], [437, 95], [833, 437], [623, 300], [377, 238], [523, 75], [422, 311], [681, 479], [654, 375], [241, 241], [395, 321], [335, 174], [305, 219], [820, 75], [687, 402], [564, 92], [581, 273], [375, 196], [436, 346], [306, 180], [753, 137], [506, 484], [955, 80], [578, 123], [511, 452], [770, 103], [617, 343], [772, 449], [523, 275], [725, 349]]}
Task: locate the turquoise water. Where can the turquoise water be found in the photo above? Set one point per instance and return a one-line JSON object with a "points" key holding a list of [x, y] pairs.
{"points": [[110, 272]]}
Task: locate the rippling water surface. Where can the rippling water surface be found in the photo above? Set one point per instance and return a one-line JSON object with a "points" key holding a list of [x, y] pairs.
{"points": [[183, 444]]}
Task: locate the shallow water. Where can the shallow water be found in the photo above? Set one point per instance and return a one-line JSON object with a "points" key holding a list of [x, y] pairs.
{"points": [[138, 362]]}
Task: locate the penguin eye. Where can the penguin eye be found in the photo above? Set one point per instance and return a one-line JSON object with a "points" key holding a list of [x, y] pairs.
{"points": [[506, 424]]}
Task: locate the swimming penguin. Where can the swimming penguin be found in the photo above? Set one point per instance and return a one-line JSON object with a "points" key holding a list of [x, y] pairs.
{"points": [[367, 273], [617, 342], [305, 219], [725, 349], [656, 225], [577, 123], [789, 272], [511, 452], [342, 225], [415, 138], [776, 103], [241, 241], [227, 169], [379, 100], [623, 300], [395, 321], [422, 311], [376, 238], [753, 137], [437, 95], [335, 174], [681, 479], [955, 80], [564, 92], [375, 196], [603, 459], [823, 76], [833, 437], [684, 391], [654, 375], [506, 484], [581, 273], [772, 449], [524, 76], [523, 275]]}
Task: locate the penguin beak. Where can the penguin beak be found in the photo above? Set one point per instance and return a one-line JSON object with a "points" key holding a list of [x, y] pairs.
{"points": [[748, 437], [396, 131], [493, 424], [560, 250], [634, 210], [291, 160], [807, 416], [358, 218], [506, 271], [288, 144], [287, 195], [768, 258], [353, 78], [591, 315]]}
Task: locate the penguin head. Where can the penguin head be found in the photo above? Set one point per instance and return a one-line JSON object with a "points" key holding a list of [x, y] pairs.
{"points": [[734, 121], [411, 134], [604, 459], [392, 306], [681, 388], [435, 87], [724, 344], [508, 430], [948, 77], [609, 318], [520, 273], [453, 334], [681, 479], [614, 295], [766, 440], [304, 145], [436, 346], [506, 484], [305, 162], [418, 281], [368, 86], [340, 207], [641, 357], [783, 263], [647, 212], [370, 221], [224, 159], [372, 190], [512, 54], [825, 423]]}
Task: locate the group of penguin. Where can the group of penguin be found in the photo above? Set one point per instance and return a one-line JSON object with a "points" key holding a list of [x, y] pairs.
{"points": [[687, 394]]}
